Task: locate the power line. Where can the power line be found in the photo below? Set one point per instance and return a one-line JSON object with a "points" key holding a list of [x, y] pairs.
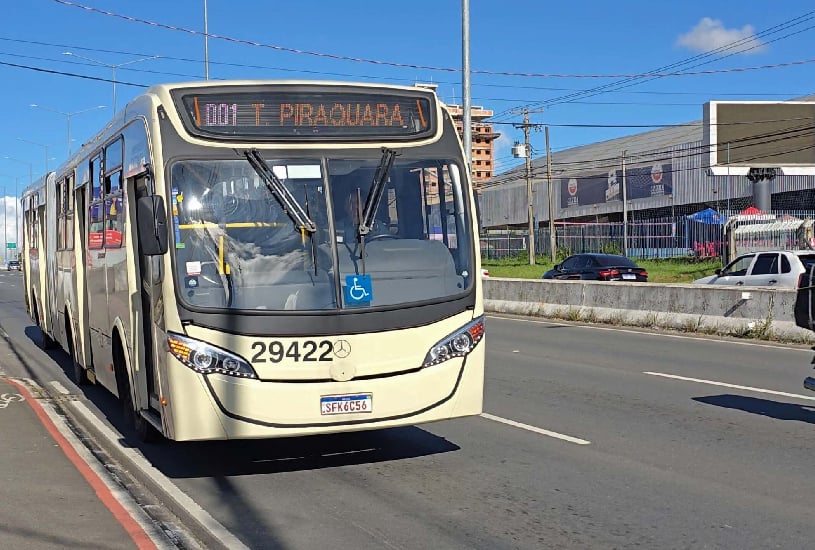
{"points": [[602, 89], [654, 125], [556, 125], [73, 75], [505, 123], [365, 76], [657, 75], [646, 157], [413, 65]]}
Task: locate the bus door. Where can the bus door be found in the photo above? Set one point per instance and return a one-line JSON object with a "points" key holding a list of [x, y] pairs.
{"points": [[83, 339], [97, 292], [150, 276], [50, 304], [37, 253]]}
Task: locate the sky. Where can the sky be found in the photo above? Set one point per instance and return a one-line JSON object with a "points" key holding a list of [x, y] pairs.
{"points": [[580, 67]]}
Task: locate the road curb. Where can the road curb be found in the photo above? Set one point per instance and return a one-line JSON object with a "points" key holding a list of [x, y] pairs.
{"points": [[210, 534], [756, 329]]}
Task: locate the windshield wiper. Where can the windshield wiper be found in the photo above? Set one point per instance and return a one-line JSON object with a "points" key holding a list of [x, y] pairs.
{"points": [[377, 188], [287, 201]]}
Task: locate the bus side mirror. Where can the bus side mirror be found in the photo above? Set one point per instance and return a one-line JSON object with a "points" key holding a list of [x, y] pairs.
{"points": [[152, 224], [805, 300]]}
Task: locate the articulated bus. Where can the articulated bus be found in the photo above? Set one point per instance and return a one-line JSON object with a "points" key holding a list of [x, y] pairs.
{"points": [[257, 259]]}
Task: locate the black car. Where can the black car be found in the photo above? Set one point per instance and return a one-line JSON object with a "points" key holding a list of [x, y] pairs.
{"points": [[13, 264], [597, 267]]}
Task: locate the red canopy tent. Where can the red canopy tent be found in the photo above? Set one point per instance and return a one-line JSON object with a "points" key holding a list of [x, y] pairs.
{"points": [[751, 211]]}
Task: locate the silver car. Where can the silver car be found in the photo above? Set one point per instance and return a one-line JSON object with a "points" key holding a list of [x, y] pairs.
{"points": [[781, 269]]}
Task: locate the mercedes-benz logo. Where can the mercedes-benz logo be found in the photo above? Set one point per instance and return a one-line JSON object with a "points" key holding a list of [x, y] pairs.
{"points": [[342, 349]]}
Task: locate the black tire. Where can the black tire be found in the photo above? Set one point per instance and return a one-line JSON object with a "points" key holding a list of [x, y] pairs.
{"points": [[145, 432], [80, 374], [46, 342]]}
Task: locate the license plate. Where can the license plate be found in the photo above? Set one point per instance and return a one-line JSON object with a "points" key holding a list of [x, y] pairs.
{"points": [[629, 276], [346, 404]]}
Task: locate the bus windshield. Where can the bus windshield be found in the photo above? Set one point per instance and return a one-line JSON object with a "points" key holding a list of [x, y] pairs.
{"points": [[237, 247]]}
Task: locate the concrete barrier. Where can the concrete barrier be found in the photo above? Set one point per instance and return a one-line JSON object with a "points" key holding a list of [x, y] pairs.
{"points": [[723, 310]]}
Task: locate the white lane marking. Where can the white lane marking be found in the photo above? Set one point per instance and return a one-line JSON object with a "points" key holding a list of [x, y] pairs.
{"points": [[215, 528], [60, 388], [535, 429], [666, 335], [734, 386]]}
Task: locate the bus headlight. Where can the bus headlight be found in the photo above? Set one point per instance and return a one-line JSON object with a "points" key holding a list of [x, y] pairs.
{"points": [[206, 359], [458, 344]]}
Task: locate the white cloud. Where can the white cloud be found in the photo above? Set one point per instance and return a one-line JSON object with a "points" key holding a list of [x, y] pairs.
{"points": [[502, 148], [710, 34], [7, 223]]}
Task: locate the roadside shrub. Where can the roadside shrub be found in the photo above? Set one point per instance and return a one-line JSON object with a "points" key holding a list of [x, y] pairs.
{"points": [[611, 247], [563, 252]]}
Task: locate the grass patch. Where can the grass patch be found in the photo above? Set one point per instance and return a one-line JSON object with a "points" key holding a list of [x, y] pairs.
{"points": [[679, 270], [659, 271]]}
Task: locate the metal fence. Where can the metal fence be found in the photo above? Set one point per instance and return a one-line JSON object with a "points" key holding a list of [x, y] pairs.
{"points": [[673, 237]]}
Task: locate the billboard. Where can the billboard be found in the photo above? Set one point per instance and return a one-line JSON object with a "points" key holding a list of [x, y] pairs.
{"points": [[740, 135], [641, 182]]}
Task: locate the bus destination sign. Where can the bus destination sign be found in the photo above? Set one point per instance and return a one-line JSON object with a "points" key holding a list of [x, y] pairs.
{"points": [[337, 115]]}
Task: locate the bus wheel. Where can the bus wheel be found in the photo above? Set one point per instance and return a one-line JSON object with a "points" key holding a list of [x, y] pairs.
{"points": [[46, 342], [80, 374], [144, 430]]}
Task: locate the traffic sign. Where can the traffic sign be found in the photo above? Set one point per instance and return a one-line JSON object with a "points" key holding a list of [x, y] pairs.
{"points": [[11, 245]]}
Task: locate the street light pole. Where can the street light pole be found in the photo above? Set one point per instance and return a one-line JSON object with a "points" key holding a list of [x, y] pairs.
{"points": [[467, 125], [551, 192], [112, 67], [5, 225], [5, 217], [41, 145], [625, 207], [30, 167], [16, 216], [67, 117], [206, 43]]}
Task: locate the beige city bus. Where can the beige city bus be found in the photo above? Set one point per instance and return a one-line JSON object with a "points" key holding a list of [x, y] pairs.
{"points": [[256, 259]]}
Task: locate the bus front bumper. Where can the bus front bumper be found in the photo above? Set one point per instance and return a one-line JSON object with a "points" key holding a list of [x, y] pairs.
{"points": [[226, 407]]}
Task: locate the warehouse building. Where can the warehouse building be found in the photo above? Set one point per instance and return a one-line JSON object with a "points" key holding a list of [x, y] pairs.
{"points": [[666, 172]]}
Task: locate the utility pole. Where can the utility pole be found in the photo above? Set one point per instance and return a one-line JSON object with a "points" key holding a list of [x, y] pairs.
{"points": [[530, 207], [467, 121], [206, 42], [551, 190], [625, 209], [17, 238], [527, 152]]}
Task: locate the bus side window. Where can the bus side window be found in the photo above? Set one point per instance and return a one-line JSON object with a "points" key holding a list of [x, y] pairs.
{"points": [[69, 212], [96, 215], [114, 213], [96, 226]]}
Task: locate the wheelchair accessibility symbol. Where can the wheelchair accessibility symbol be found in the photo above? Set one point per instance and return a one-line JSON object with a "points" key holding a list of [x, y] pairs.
{"points": [[358, 289]]}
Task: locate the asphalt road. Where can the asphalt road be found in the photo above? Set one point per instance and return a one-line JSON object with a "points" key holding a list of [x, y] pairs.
{"points": [[593, 438]]}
